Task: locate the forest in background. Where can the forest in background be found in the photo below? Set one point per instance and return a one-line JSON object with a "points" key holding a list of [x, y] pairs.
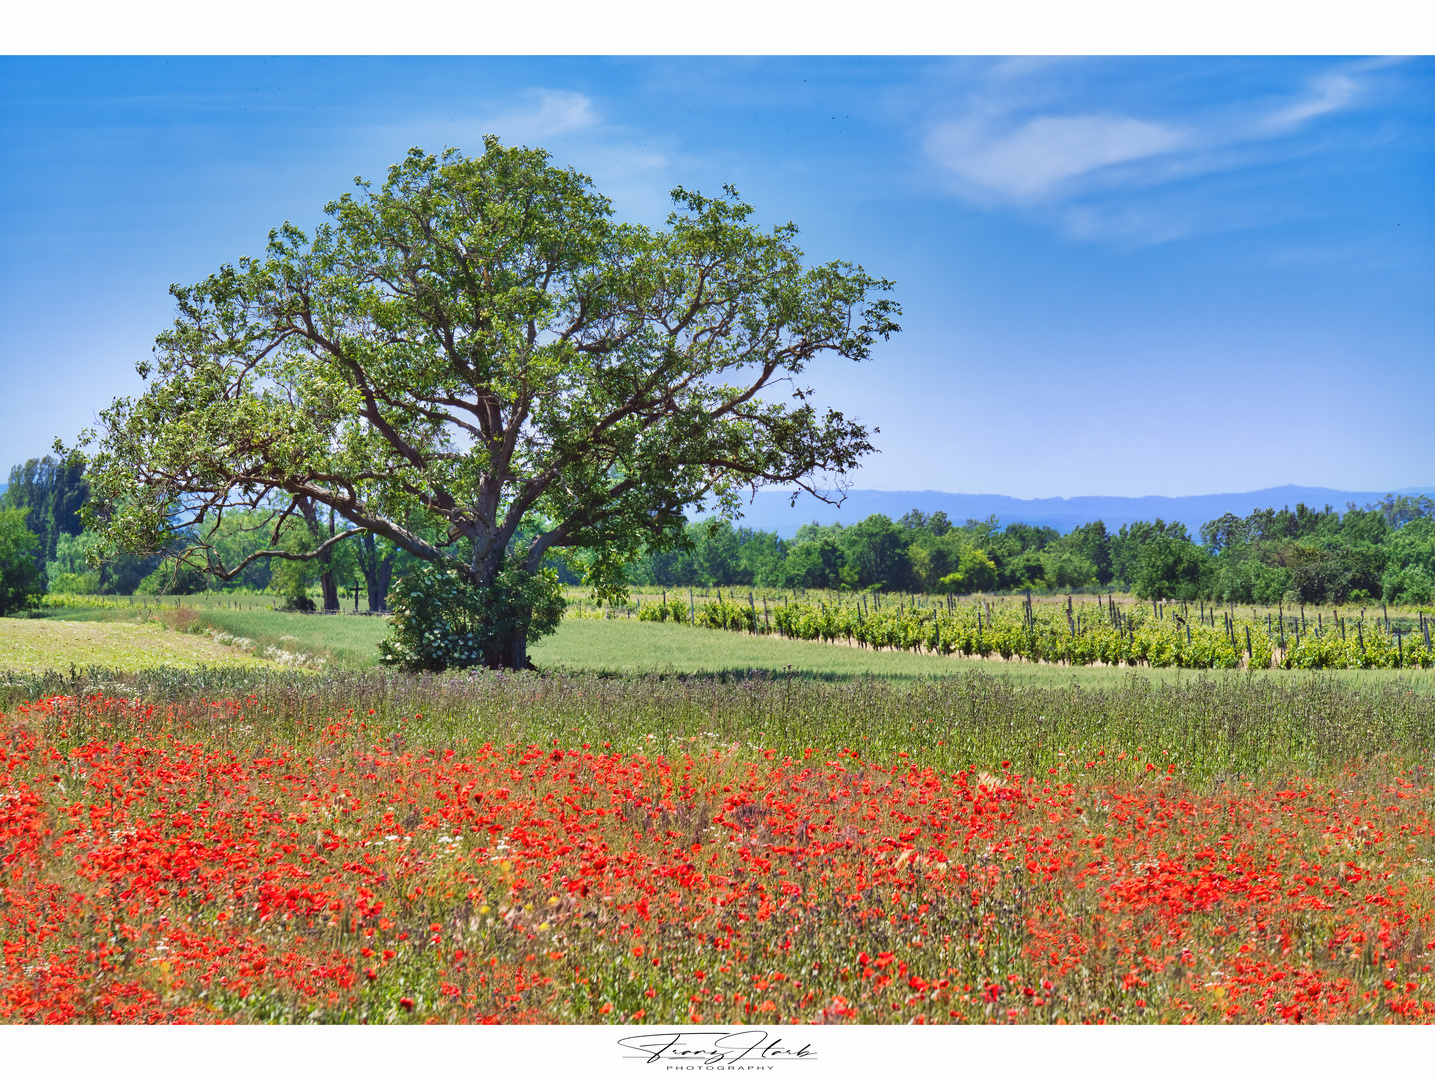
{"points": [[1383, 551]]}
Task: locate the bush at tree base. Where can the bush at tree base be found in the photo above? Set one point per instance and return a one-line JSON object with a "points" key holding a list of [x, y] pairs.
{"points": [[442, 619]]}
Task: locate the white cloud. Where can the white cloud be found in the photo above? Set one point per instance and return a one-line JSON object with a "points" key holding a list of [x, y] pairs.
{"points": [[1041, 138], [1046, 151], [547, 113], [1332, 92]]}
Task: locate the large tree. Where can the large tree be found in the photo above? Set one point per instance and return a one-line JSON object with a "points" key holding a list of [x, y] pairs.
{"points": [[478, 344]]}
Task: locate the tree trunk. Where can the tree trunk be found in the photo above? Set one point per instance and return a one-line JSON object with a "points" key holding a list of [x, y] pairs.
{"points": [[331, 591], [326, 560], [516, 658], [384, 578], [378, 573]]}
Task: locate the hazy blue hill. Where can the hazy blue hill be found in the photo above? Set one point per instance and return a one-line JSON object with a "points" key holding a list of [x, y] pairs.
{"points": [[770, 509]]}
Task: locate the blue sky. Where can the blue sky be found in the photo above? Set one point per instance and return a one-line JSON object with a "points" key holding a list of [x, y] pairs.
{"points": [[1122, 276]]}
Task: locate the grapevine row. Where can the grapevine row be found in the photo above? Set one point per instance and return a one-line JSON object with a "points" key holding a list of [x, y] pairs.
{"points": [[1107, 633]]}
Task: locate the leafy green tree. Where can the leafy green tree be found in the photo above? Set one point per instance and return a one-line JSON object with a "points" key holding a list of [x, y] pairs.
{"points": [[1016, 551], [813, 531], [294, 580], [238, 535], [934, 557], [717, 553], [875, 555], [1366, 563], [760, 557], [674, 566], [78, 568], [1131, 540], [813, 564], [1170, 569], [1092, 544], [1400, 510], [949, 563], [1412, 585], [334, 566], [1410, 574], [984, 534], [1226, 534], [974, 573], [916, 522], [1317, 574], [1247, 580], [477, 343], [376, 557], [1067, 569], [70, 570], [51, 493], [20, 582]]}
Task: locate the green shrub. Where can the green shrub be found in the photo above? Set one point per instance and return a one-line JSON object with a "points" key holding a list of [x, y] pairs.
{"points": [[173, 579], [67, 584], [1409, 585], [442, 620]]}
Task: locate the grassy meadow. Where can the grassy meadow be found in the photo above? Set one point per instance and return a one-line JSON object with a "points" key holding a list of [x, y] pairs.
{"points": [[248, 626], [38, 645]]}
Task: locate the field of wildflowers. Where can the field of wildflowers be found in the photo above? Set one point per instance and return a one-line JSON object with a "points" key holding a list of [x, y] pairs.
{"points": [[233, 846]]}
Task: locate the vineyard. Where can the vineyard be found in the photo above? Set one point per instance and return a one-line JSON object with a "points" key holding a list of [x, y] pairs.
{"points": [[1103, 631]]}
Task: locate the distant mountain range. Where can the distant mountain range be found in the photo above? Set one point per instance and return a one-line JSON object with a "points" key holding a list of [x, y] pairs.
{"points": [[770, 510]]}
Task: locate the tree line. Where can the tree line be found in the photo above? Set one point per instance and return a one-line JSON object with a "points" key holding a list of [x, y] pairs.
{"points": [[1384, 551]]}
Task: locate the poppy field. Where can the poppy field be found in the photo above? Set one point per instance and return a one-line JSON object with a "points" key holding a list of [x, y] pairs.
{"points": [[251, 847]]}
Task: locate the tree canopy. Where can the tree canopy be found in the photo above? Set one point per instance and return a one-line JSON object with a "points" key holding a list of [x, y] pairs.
{"points": [[51, 493], [475, 345], [19, 573]]}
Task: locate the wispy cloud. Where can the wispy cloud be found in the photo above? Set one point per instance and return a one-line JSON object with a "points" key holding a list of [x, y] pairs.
{"points": [[1036, 158], [1332, 92], [545, 113], [1095, 168]]}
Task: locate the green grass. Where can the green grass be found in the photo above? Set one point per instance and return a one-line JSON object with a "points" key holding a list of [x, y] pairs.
{"points": [[627, 645], [342, 641], [38, 645], [141, 601]]}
